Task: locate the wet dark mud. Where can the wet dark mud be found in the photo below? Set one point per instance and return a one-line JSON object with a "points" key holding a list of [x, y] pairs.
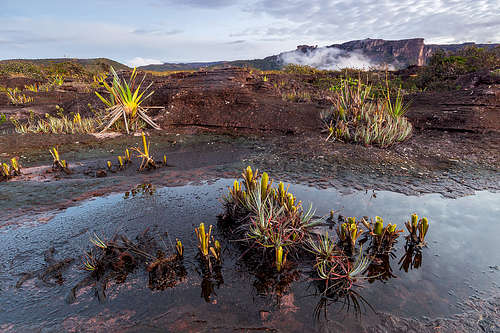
{"points": [[442, 165], [47, 218], [454, 288]]}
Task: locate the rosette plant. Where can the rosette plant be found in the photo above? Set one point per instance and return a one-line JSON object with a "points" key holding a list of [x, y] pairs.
{"points": [[125, 100]]}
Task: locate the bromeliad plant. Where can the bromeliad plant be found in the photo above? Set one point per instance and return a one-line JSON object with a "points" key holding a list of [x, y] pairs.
{"points": [[207, 245], [339, 272], [383, 238], [8, 172], [348, 233], [271, 217], [323, 247], [203, 240], [125, 101], [58, 164], [356, 116], [417, 230], [147, 161]]}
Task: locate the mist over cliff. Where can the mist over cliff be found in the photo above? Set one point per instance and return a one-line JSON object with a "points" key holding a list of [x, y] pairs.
{"points": [[361, 54], [328, 58]]}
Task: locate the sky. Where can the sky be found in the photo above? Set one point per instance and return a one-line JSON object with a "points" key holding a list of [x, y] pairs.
{"points": [[139, 32]]}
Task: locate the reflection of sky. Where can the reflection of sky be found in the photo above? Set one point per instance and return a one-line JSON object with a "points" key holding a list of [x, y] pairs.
{"points": [[463, 235], [170, 30], [463, 242]]}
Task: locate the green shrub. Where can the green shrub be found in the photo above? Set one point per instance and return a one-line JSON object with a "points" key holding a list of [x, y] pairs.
{"points": [[356, 117], [445, 67]]}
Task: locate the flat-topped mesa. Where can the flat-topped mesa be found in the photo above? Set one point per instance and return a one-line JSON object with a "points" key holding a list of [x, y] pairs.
{"points": [[404, 52], [306, 48]]}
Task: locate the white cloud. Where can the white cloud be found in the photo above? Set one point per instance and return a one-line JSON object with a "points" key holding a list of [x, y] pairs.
{"points": [[327, 58], [139, 61]]}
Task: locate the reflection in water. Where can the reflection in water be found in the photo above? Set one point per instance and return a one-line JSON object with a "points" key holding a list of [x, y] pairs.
{"points": [[339, 300], [412, 258], [142, 189], [269, 282], [211, 279], [380, 268]]}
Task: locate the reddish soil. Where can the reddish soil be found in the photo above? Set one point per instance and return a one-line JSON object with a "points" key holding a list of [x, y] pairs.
{"points": [[459, 125]]}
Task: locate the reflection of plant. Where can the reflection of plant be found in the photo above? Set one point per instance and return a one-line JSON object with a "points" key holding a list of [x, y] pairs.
{"points": [[280, 258], [417, 229], [380, 268], [412, 259], [125, 100]]}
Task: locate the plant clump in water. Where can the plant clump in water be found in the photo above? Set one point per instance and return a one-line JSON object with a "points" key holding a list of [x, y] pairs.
{"points": [[272, 219], [114, 259]]}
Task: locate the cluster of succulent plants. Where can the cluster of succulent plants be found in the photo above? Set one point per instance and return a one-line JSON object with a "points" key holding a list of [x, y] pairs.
{"points": [[115, 258], [356, 116], [209, 248], [10, 171], [62, 124], [273, 219], [17, 98]]}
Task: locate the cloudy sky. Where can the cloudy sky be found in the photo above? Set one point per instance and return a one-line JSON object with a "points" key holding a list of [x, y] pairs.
{"points": [[208, 30]]}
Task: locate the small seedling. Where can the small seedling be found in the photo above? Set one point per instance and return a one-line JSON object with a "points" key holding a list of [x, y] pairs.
{"points": [[5, 171], [280, 258], [15, 169], [216, 250], [349, 233], [147, 161], [179, 248], [203, 240], [120, 163], [57, 163], [127, 156], [417, 230]]}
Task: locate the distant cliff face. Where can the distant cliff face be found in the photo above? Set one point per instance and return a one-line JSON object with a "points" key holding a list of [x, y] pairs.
{"points": [[398, 52], [401, 53]]}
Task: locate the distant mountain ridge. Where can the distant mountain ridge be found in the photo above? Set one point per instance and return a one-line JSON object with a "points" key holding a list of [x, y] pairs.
{"points": [[92, 63], [400, 53]]}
